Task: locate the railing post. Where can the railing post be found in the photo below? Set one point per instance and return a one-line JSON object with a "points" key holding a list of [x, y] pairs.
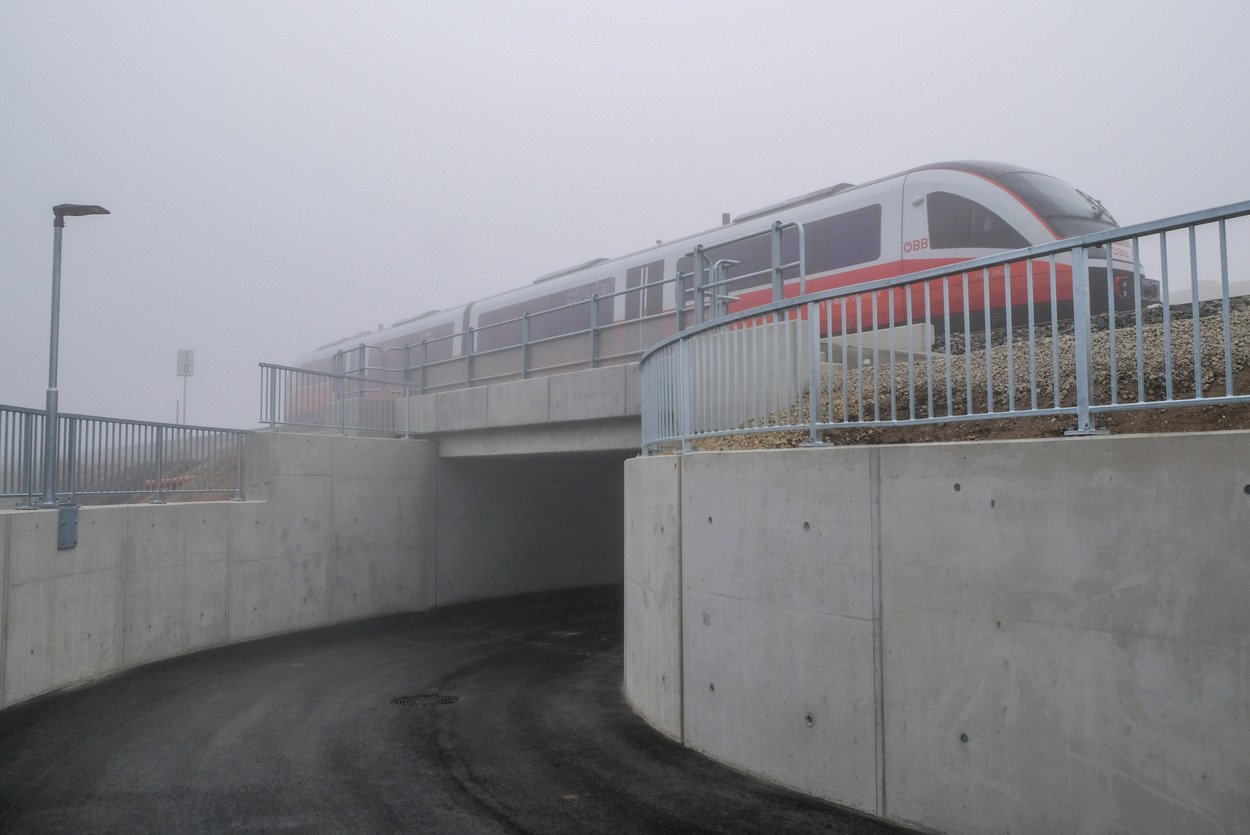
{"points": [[71, 460], [406, 396], [28, 460], [779, 290], [685, 376], [273, 399], [698, 285], [238, 488], [424, 356], [679, 297], [594, 330], [160, 466], [525, 345], [468, 357], [50, 452], [343, 411], [813, 372], [1082, 347]]}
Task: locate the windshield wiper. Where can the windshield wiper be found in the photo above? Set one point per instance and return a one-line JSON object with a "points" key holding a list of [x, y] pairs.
{"points": [[1099, 209]]}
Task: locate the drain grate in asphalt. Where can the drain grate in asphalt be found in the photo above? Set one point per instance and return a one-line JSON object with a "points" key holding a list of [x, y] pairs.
{"points": [[425, 700]]}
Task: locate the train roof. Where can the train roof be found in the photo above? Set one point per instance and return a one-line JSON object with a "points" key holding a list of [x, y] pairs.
{"points": [[989, 170], [810, 197], [594, 262], [983, 168]]}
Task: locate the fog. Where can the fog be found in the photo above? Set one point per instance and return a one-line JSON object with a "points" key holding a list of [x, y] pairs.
{"points": [[285, 174]]}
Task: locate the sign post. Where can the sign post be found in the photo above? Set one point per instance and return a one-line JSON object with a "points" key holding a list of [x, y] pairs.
{"points": [[186, 367]]}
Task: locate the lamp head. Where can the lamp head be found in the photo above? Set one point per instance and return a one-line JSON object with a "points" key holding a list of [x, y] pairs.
{"points": [[64, 210]]}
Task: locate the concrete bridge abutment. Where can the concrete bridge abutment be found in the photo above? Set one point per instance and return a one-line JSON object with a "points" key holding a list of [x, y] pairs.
{"points": [[1029, 636]]}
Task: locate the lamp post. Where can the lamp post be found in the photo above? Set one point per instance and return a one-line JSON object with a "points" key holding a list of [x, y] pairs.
{"points": [[50, 428]]}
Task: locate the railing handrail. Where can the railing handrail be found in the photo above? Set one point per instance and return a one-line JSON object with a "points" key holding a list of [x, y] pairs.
{"points": [[346, 376]]}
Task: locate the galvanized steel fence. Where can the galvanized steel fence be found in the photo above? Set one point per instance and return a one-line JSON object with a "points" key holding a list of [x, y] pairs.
{"points": [[341, 402], [1011, 335], [101, 460], [569, 337]]}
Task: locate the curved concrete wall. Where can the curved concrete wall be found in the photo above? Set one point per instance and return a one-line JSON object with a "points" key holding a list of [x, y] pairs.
{"points": [[335, 529], [341, 528], [1036, 636]]}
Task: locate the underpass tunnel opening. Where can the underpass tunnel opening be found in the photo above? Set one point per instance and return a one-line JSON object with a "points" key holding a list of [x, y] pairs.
{"points": [[515, 524]]}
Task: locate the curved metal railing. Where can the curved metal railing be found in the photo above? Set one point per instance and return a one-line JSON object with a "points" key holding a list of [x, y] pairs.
{"points": [[939, 346]]}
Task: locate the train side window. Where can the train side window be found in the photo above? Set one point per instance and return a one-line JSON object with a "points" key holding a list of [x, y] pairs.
{"points": [[754, 257], [633, 299], [648, 301], [554, 314], [655, 295], [956, 223], [843, 240]]}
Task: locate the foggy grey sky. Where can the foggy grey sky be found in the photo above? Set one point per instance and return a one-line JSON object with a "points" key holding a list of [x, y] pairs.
{"points": [[284, 174]]}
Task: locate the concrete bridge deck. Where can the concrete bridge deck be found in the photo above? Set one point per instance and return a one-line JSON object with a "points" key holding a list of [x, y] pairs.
{"points": [[594, 410]]}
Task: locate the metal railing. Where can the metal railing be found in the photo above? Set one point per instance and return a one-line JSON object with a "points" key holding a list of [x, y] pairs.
{"points": [[1011, 335], [579, 335], [375, 393], [342, 402], [100, 460]]}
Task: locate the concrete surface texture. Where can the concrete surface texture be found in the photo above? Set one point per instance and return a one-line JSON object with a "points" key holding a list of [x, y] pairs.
{"points": [[339, 528], [1036, 636], [300, 733]]}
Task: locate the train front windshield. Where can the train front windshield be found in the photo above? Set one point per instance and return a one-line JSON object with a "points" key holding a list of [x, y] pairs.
{"points": [[1069, 212]]}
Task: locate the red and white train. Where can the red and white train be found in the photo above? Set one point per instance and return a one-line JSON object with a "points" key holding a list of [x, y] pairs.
{"points": [[926, 217]]}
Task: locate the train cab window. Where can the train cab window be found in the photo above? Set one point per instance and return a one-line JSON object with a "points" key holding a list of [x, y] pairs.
{"points": [[1069, 212], [958, 223], [843, 240]]}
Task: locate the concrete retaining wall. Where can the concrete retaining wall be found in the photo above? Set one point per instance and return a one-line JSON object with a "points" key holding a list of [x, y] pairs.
{"points": [[1038, 636], [335, 529]]}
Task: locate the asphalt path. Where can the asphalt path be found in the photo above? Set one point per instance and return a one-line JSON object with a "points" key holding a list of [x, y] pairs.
{"points": [[515, 723]]}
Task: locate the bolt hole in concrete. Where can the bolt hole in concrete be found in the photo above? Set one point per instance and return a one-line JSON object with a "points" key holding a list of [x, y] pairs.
{"points": [[963, 737], [809, 720], [957, 488], [807, 526]]}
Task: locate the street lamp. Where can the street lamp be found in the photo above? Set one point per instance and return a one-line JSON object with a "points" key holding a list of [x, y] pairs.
{"points": [[49, 433]]}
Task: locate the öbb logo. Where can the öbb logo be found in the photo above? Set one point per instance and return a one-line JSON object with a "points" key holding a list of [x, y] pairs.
{"points": [[916, 245]]}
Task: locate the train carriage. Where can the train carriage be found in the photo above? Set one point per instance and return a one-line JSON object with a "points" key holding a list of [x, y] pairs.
{"points": [[613, 309]]}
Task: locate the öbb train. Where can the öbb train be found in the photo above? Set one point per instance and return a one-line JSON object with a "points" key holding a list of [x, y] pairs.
{"points": [[926, 217]]}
